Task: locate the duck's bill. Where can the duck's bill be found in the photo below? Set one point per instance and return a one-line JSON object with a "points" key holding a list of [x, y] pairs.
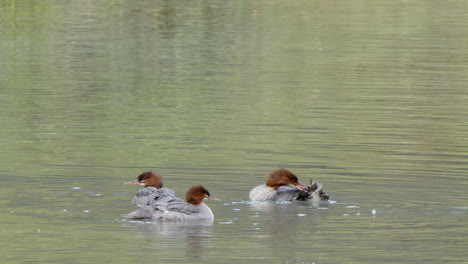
{"points": [[132, 183], [212, 198], [298, 186]]}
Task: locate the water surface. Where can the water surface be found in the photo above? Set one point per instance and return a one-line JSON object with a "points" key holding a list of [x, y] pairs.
{"points": [[368, 98]]}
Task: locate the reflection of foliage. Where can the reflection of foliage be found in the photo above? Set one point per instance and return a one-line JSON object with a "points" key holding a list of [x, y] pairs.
{"points": [[25, 17], [241, 75]]}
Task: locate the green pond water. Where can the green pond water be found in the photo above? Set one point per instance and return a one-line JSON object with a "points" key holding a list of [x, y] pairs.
{"points": [[370, 98]]}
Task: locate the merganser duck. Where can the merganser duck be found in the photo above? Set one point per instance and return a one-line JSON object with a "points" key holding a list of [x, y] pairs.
{"points": [[192, 210], [283, 185], [153, 193]]}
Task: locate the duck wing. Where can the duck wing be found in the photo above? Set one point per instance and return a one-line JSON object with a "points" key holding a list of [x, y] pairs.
{"points": [[148, 199], [181, 207], [315, 191], [310, 192], [145, 197], [150, 195], [288, 194]]}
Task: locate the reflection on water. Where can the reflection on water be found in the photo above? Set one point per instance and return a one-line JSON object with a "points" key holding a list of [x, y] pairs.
{"points": [[279, 222], [196, 238], [367, 98]]}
